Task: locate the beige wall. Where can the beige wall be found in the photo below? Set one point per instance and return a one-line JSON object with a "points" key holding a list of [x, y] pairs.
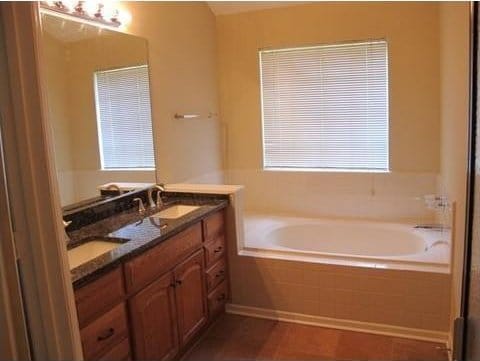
{"points": [[181, 40], [454, 18], [411, 30]]}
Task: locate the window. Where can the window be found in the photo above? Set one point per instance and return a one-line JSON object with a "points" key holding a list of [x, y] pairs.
{"points": [[124, 118], [326, 107]]}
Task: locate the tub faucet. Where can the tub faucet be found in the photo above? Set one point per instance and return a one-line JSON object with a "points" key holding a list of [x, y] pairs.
{"points": [[431, 226]]}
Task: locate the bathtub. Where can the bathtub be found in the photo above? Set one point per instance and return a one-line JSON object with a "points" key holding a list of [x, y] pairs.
{"points": [[346, 242]]}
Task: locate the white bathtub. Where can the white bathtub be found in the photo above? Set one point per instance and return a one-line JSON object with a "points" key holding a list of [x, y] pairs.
{"points": [[346, 242]]}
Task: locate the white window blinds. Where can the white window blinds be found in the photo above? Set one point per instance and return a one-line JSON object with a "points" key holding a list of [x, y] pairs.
{"points": [[326, 107], [124, 118]]}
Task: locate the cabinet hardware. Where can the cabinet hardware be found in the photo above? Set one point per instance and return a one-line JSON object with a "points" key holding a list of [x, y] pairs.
{"points": [[179, 282], [218, 249], [219, 274], [106, 335]]}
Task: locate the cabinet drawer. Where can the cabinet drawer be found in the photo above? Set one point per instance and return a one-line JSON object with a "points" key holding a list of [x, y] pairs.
{"points": [[163, 257], [214, 250], [120, 352], [105, 332], [216, 274], [213, 226], [99, 295], [217, 298]]}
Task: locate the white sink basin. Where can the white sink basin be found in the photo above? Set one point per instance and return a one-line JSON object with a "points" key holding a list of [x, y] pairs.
{"points": [[88, 251], [176, 211]]}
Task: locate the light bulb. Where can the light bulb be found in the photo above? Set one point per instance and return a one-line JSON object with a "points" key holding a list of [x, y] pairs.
{"points": [[124, 17], [90, 7], [69, 4], [109, 10]]}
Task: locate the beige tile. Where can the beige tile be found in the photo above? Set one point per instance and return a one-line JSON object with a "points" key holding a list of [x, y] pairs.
{"points": [[326, 309], [412, 319], [435, 322]]}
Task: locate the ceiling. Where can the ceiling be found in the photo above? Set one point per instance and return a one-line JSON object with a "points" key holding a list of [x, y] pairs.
{"points": [[232, 7]]}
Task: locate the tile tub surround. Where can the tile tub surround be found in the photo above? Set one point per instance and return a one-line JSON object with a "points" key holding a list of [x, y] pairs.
{"points": [[415, 300], [394, 196], [141, 231]]}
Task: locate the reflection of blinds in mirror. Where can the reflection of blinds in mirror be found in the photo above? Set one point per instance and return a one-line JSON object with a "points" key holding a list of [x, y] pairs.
{"points": [[124, 118], [326, 107]]}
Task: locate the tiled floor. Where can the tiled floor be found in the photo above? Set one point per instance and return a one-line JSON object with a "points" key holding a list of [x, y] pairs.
{"points": [[245, 338]]}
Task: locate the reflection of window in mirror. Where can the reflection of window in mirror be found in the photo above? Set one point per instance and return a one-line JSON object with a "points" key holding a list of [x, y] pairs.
{"points": [[124, 122]]}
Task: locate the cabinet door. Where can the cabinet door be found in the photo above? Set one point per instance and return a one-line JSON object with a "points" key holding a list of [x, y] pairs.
{"points": [[154, 321], [190, 296]]}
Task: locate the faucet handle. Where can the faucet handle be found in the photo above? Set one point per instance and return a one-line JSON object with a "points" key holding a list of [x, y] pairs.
{"points": [[141, 207]]}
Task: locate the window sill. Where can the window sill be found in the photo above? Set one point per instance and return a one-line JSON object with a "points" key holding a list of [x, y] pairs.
{"points": [[325, 170], [127, 170]]}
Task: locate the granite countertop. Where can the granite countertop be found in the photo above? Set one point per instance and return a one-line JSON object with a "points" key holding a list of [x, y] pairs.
{"points": [[137, 233]]}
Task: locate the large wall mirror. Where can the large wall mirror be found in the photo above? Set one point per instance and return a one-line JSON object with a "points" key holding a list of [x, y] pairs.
{"points": [[99, 108]]}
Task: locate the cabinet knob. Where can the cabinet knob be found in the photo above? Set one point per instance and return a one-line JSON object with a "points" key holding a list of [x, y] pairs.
{"points": [[106, 334], [219, 274], [178, 282], [218, 249]]}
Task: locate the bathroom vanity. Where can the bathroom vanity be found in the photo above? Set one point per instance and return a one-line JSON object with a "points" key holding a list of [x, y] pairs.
{"points": [[151, 297]]}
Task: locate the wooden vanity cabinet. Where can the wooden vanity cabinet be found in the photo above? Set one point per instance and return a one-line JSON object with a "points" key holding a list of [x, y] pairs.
{"points": [[158, 302], [191, 297], [168, 313], [216, 274], [102, 317], [154, 320]]}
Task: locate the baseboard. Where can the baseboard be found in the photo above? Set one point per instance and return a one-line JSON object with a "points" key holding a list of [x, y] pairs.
{"points": [[450, 346], [342, 324]]}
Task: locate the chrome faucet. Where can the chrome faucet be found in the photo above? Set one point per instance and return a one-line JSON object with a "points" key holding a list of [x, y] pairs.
{"points": [[141, 207], [65, 225], [160, 188]]}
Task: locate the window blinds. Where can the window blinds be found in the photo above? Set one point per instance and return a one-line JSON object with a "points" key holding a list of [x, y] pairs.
{"points": [[124, 118], [326, 107]]}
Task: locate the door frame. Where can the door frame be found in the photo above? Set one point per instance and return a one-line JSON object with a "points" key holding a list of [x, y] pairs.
{"points": [[33, 191], [460, 353]]}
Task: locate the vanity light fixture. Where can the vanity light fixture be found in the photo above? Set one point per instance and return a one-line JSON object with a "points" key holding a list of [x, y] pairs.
{"points": [[103, 12]]}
